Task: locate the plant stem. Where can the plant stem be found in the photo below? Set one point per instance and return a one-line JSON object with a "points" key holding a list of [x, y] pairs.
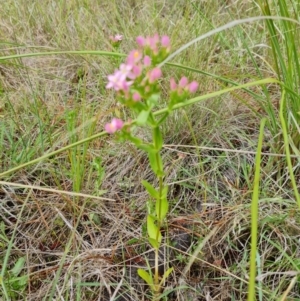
{"points": [[156, 274], [160, 179], [156, 279]]}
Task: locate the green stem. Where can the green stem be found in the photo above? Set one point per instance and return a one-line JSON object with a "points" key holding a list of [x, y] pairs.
{"points": [[156, 275], [254, 214], [162, 119], [160, 179], [156, 279]]}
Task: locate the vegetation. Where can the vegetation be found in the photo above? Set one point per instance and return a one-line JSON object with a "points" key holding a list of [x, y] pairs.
{"points": [[74, 200]]}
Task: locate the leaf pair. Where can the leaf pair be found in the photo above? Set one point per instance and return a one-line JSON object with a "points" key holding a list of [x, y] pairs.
{"points": [[161, 205], [149, 280]]}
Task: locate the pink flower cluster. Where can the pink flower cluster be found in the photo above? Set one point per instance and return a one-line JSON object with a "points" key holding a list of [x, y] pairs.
{"points": [[154, 43], [124, 77], [136, 79], [182, 85], [136, 62]]}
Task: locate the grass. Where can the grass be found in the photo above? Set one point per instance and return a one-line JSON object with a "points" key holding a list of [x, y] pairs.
{"points": [[72, 210]]}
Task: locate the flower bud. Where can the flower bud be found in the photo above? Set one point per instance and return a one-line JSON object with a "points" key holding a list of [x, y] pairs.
{"points": [[193, 87], [154, 74]]}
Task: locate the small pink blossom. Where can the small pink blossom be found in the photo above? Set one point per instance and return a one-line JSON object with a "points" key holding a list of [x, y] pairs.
{"points": [[173, 85], [165, 41], [183, 82], [125, 69], [125, 85], [118, 81], [114, 80], [141, 41], [152, 43], [155, 39], [117, 38], [134, 57], [136, 96], [147, 61], [135, 72], [154, 74], [115, 125], [193, 86]]}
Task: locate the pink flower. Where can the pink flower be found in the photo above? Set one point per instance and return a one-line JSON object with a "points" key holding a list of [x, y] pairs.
{"points": [[135, 72], [136, 96], [125, 85], [141, 41], [193, 86], [165, 41], [183, 82], [118, 37], [125, 69], [154, 74], [173, 85], [115, 125], [152, 43], [114, 80], [147, 61], [118, 81], [134, 57]]}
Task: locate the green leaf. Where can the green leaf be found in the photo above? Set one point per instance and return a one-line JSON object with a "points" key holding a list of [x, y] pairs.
{"points": [[160, 165], [94, 217], [16, 270], [132, 241], [134, 140], [142, 118], [165, 191], [154, 243], [150, 206], [153, 162], [149, 148], [164, 207], [157, 138], [19, 283], [146, 277], [153, 100], [166, 275], [151, 227], [153, 231], [156, 163], [151, 190]]}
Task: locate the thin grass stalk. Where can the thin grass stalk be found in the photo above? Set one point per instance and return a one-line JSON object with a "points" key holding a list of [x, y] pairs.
{"points": [[287, 148], [254, 214]]}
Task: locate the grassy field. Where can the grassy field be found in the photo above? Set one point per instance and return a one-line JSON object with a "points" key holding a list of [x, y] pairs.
{"points": [[72, 206]]}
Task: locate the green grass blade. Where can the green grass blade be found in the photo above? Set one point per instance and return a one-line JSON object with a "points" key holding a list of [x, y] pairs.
{"points": [[254, 214], [287, 148]]}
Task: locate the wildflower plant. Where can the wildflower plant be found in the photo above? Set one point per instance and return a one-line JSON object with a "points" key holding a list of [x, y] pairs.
{"points": [[136, 83], [116, 40]]}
